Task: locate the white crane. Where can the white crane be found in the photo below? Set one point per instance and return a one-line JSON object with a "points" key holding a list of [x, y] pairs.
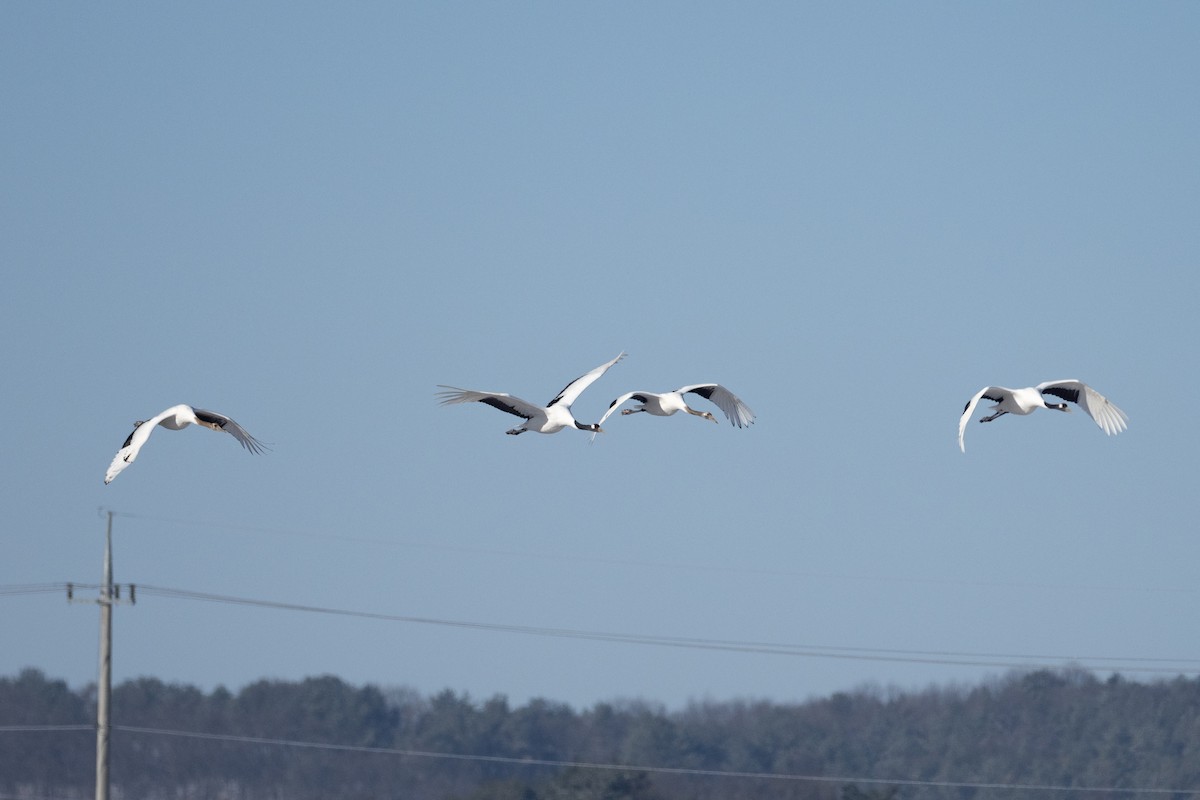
{"points": [[176, 418], [551, 418], [1111, 419], [664, 404]]}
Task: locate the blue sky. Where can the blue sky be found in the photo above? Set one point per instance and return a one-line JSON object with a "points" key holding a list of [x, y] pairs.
{"points": [[853, 215]]}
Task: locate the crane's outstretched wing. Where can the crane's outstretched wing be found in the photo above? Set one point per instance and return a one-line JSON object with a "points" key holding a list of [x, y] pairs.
{"points": [[134, 443], [738, 412], [129, 451], [615, 404], [220, 422], [993, 393], [501, 400], [1111, 419], [572, 390]]}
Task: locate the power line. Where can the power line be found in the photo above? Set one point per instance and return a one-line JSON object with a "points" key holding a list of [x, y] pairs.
{"points": [[563, 764], [1125, 664], [32, 588], [662, 770], [953, 658], [36, 728]]}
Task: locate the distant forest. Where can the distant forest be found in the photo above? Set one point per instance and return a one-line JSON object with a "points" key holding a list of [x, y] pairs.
{"points": [[1033, 730]]}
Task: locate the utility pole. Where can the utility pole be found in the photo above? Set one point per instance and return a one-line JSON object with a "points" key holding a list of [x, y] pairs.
{"points": [[110, 594]]}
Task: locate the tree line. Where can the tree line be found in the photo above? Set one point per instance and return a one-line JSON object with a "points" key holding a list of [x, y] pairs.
{"points": [[1064, 728]]}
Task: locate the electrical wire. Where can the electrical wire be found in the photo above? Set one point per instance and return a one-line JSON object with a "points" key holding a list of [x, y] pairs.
{"points": [[662, 770], [1124, 664], [36, 728], [953, 658], [564, 764], [32, 588]]}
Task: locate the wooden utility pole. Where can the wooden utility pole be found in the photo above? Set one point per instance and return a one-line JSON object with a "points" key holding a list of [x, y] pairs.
{"points": [[104, 690], [110, 595]]}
